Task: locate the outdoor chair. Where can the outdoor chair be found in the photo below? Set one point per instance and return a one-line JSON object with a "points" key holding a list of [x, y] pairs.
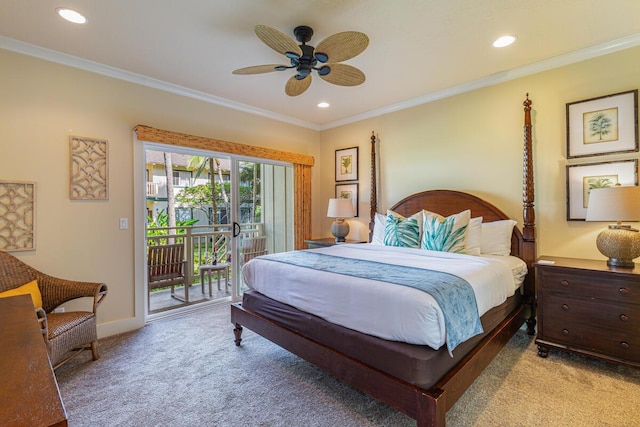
{"points": [[166, 267], [66, 334], [253, 247]]}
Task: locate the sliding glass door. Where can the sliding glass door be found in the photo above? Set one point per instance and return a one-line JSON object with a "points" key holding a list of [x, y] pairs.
{"points": [[221, 209], [264, 212]]}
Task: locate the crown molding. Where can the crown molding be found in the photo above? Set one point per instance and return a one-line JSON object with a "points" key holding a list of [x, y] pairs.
{"points": [[505, 76], [117, 73], [537, 67]]}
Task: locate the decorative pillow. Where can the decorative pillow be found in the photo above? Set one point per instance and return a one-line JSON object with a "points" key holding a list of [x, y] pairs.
{"points": [[444, 234], [473, 241], [378, 229], [30, 288], [496, 237], [401, 231]]}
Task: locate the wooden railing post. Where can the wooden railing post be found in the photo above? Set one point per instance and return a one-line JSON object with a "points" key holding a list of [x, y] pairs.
{"points": [[188, 250]]}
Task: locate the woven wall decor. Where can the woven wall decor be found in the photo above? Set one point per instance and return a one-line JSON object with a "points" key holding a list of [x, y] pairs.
{"points": [[17, 216], [89, 169]]}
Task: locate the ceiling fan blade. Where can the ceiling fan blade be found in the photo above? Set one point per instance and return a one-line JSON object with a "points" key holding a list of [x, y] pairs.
{"points": [[258, 69], [342, 46], [344, 75], [296, 87], [277, 40]]}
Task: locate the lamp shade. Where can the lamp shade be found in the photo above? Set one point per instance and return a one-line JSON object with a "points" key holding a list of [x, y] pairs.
{"points": [[340, 208], [614, 204]]}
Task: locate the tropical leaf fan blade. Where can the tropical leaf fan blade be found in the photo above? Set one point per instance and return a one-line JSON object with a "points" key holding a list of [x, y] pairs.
{"points": [[343, 46], [344, 75], [296, 87], [257, 69]]}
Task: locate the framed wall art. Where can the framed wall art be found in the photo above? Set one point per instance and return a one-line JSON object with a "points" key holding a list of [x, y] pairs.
{"points": [[349, 191], [89, 178], [17, 216], [582, 178], [347, 164], [604, 125]]}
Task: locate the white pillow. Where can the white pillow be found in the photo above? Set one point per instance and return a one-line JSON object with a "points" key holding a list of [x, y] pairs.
{"points": [[378, 229], [496, 237], [444, 234], [473, 240]]}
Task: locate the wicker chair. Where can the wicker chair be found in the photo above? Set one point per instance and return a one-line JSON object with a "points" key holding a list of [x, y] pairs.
{"points": [[66, 334]]}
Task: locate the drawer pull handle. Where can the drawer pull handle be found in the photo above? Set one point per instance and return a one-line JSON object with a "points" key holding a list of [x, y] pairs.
{"points": [[624, 345], [565, 283], [565, 307], [624, 290], [624, 317], [565, 332]]}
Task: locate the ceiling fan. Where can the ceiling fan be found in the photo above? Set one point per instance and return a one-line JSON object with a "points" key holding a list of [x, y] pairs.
{"points": [[304, 58]]}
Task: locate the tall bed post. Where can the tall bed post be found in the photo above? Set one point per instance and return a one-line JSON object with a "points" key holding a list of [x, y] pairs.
{"points": [[374, 187], [528, 214]]}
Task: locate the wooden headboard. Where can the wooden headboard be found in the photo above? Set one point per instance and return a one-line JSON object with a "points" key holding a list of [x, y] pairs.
{"points": [[449, 202]]}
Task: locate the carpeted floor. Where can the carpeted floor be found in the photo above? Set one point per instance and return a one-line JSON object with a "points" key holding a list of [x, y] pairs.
{"points": [[186, 371]]}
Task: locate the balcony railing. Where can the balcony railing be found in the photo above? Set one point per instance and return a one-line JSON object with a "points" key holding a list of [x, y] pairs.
{"points": [[152, 189], [201, 244]]}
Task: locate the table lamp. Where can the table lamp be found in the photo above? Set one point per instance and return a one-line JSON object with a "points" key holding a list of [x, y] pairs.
{"points": [[620, 243], [340, 209]]}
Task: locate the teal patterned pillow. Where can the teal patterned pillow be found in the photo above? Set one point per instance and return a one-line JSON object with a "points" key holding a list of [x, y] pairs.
{"points": [[401, 231], [444, 234]]}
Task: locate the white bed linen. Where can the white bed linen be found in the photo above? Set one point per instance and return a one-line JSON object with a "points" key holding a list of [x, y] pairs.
{"points": [[385, 310]]}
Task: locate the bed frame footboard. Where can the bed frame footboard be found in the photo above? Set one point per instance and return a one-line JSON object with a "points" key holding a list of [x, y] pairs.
{"points": [[427, 407]]}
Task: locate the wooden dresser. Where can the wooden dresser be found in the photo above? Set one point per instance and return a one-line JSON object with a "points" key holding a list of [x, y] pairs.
{"points": [[29, 392], [587, 307]]}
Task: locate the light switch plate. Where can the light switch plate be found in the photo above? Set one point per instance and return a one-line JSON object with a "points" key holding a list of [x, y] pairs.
{"points": [[124, 223]]}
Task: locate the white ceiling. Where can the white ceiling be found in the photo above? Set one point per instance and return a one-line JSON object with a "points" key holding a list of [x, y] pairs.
{"points": [[419, 50]]}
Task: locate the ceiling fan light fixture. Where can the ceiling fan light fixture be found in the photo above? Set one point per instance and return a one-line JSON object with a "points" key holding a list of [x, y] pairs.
{"points": [[71, 15], [504, 41], [304, 58]]}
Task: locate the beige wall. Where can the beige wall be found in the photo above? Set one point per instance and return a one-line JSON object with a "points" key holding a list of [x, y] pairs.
{"points": [[42, 104], [473, 142], [470, 142]]}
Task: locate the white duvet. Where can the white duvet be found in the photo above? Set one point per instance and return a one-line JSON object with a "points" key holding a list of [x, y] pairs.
{"points": [[382, 309]]}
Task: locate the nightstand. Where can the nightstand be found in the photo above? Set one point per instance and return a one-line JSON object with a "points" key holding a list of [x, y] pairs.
{"points": [[587, 307], [329, 241]]}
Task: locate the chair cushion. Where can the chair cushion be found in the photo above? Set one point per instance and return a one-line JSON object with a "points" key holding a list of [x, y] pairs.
{"points": [[30, 288]]}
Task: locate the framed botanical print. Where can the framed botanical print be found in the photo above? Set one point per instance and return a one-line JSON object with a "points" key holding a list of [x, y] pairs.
{"points": [[604, 125], [582, 178], [347, 164], [349, 191]]}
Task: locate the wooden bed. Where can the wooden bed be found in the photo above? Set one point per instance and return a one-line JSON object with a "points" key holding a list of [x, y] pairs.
{"points": [[427, 405]]}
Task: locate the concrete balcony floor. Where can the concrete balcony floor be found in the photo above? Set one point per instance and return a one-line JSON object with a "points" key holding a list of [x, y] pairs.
{"points": [[161, 299]]}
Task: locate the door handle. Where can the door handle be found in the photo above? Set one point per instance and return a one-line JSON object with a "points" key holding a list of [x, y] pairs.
{"points": [[236, 229]]}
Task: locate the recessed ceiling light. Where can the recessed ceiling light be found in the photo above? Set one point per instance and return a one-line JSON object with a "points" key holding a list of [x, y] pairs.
{"points": [[71, 15], [323, 104], [504, 41]]}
